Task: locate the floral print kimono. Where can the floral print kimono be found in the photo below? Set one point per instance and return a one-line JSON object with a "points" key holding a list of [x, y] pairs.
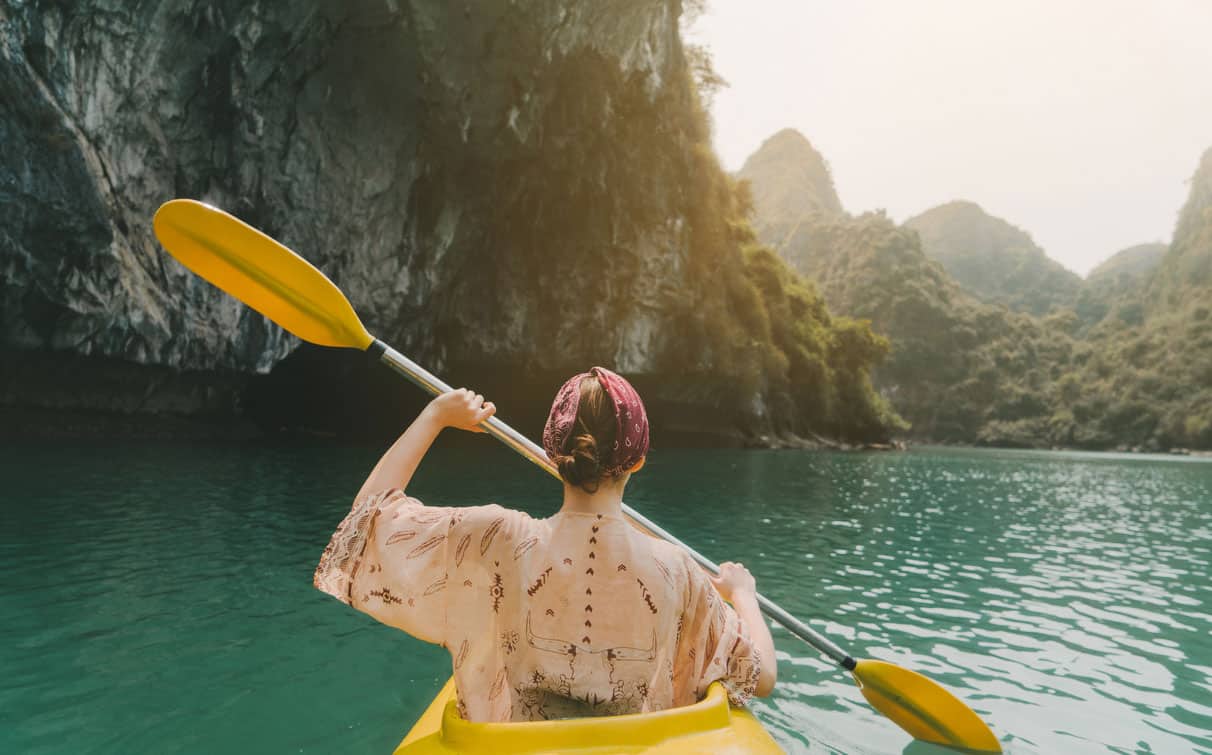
{"points": [[575, 615]]}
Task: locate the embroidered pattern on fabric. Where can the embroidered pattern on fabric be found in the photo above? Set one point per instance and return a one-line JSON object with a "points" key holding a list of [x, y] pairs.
{"points": [[509, 641], [524, 546], [646, 595], [590, 672], [498, 685], [426, 546], [461, 549], [530, 695], [338, 564], [385, 595], [489, 534], [539, 583], [400, 537], [743, 676], [664, 570], [431, 516], [497, 590]]}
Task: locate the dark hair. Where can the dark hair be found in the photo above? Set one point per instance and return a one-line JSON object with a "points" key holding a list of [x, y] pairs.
{"points": [[590, 445]]}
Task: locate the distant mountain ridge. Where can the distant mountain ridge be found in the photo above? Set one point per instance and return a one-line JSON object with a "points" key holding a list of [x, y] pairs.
{"points": [[869, 267], [995, 261], [1115, 283], [1125, 361], [1135, 261], [794, 181]]}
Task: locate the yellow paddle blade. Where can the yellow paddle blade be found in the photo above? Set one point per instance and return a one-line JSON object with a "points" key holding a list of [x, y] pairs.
{"points": [[260, 272], [922, 707]]}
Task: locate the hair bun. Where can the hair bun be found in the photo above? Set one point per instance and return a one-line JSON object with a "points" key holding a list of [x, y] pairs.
{"points": [[584, 454], [581, 466]]}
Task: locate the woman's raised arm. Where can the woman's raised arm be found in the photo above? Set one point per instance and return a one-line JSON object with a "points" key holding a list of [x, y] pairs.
{"points": [[461, 409]]}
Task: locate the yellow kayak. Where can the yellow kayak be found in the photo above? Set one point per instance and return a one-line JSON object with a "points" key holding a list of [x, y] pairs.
{"points": [[708, 726]]}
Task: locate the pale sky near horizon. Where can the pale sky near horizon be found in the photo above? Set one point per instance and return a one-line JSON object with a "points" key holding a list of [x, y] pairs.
{"points": [[1080, 121]]}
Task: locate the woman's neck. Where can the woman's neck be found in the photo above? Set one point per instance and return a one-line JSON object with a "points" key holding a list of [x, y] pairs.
{"points": [[606, 500]]}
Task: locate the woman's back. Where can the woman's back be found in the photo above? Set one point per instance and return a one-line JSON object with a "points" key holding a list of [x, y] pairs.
{"points": [[579, 614], [575, 615]]}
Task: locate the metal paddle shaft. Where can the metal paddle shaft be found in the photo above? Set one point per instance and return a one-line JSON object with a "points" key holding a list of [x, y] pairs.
{"points": [[433, 385]]}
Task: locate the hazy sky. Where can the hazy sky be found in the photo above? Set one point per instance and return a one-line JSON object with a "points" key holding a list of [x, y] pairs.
{"points": [[1079, 121]]}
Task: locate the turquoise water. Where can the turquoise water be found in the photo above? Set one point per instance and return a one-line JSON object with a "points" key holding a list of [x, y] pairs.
{"points": [[157, 598]]}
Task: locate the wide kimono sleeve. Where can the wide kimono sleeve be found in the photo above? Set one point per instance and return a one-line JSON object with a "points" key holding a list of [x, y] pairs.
{"points": [[713, 645], [388, 559]]}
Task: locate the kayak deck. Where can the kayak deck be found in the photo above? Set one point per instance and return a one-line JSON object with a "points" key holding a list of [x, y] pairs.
{"points": [[708, 726]]}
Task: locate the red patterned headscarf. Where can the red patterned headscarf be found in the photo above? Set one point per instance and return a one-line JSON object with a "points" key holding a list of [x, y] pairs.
{"points": [[631, 438]]}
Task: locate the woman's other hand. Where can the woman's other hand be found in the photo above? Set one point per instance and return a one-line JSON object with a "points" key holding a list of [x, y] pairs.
{"points": [[738, 587], [734, 580], [461, 409]]}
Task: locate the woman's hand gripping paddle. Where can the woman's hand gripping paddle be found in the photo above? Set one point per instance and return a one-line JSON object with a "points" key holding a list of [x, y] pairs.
{"points": [[288, 290]]}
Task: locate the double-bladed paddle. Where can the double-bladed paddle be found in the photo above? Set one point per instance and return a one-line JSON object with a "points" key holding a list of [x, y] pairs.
{"points": [[287, 289]]}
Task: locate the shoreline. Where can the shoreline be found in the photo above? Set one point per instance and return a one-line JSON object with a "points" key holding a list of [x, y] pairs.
{"points": [[19, 424]]}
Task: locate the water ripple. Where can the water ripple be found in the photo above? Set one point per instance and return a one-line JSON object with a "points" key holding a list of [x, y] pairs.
{"points": [[163, 598]]}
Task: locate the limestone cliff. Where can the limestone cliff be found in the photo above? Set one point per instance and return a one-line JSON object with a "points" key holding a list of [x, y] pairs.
{"points": [[508, 191], [1187, 268], [390, 143], [788, 179]]}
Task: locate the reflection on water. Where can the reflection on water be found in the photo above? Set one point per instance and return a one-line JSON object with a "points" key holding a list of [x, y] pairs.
{"points": [[158, 598]]}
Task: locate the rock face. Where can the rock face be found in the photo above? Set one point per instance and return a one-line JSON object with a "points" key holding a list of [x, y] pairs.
{"points": [[789, 179], [505, 191], [994, 260]]}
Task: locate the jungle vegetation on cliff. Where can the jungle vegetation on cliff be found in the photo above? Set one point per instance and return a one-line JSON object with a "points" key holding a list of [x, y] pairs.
{"points": [[1122, 359], [508, 195]]}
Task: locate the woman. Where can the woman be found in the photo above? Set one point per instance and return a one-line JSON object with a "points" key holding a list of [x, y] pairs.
{"points": [[576, 615]]}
